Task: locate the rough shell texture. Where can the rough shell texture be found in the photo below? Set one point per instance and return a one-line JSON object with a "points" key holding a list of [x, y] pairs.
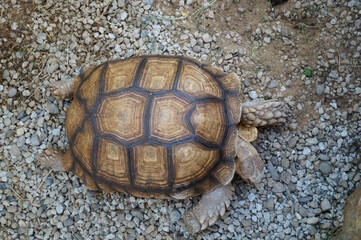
{"points": [[153, 126]]}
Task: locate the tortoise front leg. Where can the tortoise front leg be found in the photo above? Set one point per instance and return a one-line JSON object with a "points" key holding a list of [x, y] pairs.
{"points": [[211, 206], [263, 113]]}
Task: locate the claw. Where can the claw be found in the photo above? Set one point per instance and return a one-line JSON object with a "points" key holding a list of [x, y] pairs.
{"points": [[223, 210], [213, 219], [228, 203], [204, 225]]}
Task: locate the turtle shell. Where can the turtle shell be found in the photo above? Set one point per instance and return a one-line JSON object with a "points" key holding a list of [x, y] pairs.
{"points": [[153, 126]]}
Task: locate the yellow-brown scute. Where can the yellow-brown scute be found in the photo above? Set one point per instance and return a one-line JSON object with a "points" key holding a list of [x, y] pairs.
{"points": [[160, 126]]}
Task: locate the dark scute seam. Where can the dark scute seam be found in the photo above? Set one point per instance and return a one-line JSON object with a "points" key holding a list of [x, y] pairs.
{"points": [[139, 72], [177, 75], [131, 161], [147, 114], [171, 173]]}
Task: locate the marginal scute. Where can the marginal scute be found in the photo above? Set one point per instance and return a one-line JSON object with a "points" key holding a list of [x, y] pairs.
{"points": [[159, 74], [74, 117], [224, 172], [231, 82], [150, 166], [122, 116], [112, 162], [120, 74], [230, 145], [83, 145], [168, 118], [85, 177], [208, 121], [89, 90], [234, 109], [197, 82], [192, 162]]}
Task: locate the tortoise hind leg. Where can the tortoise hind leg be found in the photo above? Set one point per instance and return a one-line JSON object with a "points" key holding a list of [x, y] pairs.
{"points": [[56, 160], [249, 165], [262, 113], [61, 89], [211, 206]]}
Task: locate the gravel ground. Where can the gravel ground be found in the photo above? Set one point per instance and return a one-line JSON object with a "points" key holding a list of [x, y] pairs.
{"points": [[304, 52]]}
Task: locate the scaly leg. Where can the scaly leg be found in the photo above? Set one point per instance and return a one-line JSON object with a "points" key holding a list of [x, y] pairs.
{"points": [[62, 89], [51, 158], [249, 165], [211, 206], [262, 113]]}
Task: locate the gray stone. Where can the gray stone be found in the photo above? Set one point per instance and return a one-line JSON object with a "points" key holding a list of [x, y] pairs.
{"points": [[174, 216], [325, 168], [52, 65], [21, 141], [269, 204], [320, 89], [312, 220], [197, 49], [53, 108], [123, 16], [41, 38], [305, 199], [207, 38], [273, 84], [273, 171], [253, 95], [34, 140], [228, 56], [278, 188], [121, 3], [129, 53], [306, 151], [12, 92], [68, 222], [15, 151], [59, 208], [267, 40], [325, 205], [14, 26], [324, 157]]}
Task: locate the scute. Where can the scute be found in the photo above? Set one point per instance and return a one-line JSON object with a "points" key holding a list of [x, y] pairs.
{"points": [[197, 82], [159, 74], [89, 89], [112, 162], [75, 116], [83, 145], [192, 162], [120, 74], [122, 116], [154, 126], [167, 118], [150, 166], [209, 122]]}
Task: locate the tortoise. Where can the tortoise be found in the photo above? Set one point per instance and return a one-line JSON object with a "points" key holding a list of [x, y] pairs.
{"points": [[163, 126]]}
